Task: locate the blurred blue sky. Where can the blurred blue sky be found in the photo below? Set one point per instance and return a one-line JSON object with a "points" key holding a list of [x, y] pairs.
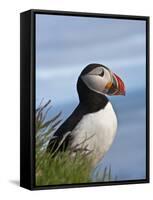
{"points": [[65, 45]]}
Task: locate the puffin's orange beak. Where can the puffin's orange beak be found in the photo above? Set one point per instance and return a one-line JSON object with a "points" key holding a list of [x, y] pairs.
{"points": [[116, 86], [120, 86]]}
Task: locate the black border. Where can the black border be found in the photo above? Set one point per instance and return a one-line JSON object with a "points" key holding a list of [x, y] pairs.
{"points": [[27, 94]]}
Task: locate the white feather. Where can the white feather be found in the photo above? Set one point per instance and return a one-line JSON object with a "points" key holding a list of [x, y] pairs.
{"points": [[96, 132]]}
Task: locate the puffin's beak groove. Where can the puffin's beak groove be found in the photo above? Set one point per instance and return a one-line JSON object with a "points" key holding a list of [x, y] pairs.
{"points": [[116, 86], [120, 85]]}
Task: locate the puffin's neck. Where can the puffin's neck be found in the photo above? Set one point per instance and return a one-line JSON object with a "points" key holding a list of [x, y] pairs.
{"points": [[90, 99]]}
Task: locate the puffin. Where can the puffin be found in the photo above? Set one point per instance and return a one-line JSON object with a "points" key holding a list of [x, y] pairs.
{"points": [[92, 126]]}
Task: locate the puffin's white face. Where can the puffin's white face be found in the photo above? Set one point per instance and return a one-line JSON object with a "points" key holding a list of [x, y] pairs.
{"points": [[102, 80]]}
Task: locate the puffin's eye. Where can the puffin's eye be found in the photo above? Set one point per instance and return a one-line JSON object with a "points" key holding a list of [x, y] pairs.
{"points": [[102, 73]]}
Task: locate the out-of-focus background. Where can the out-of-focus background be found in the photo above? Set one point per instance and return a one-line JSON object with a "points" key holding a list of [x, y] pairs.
{"points": [[65, 45]]}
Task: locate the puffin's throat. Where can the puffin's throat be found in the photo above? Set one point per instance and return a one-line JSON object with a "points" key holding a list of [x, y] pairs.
{"points": [[93, 100]]}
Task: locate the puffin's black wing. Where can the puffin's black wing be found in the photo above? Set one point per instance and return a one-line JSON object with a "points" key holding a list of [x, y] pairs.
{"points": [[62, 137]]}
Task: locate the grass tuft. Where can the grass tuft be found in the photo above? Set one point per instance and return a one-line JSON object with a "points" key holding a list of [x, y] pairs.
{"points": [[63, 168]]}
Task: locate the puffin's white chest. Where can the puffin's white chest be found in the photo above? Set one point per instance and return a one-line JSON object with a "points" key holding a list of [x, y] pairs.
{"points": [[96, 132]]}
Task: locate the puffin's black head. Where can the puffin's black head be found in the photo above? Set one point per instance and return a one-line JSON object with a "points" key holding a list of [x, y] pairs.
{"points": [[100, 80]]}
